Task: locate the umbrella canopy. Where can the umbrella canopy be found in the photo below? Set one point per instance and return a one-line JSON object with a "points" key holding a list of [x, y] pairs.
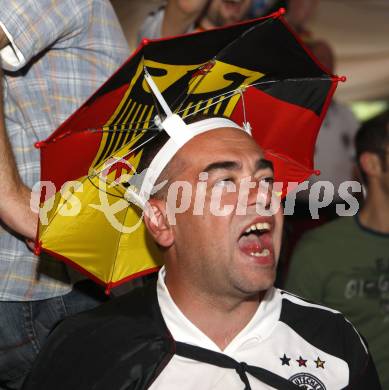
{"points": [[256, 71]]}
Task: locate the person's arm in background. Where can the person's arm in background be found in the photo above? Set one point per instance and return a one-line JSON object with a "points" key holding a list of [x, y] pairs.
{"points": [[180, 15], [306, 274], [15, 197], [22, 39]]}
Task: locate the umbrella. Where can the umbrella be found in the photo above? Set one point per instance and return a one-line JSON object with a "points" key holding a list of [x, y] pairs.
{"points": [[257, 72]]}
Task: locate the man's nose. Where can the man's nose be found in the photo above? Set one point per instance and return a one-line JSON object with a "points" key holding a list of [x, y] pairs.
{"points": [[260, 194], [253, 192]]}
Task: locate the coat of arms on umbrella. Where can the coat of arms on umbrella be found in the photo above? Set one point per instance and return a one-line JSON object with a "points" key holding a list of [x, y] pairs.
{"points": [[255, 72]]}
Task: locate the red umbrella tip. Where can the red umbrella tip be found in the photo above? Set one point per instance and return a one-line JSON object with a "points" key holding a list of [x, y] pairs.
{"points": [[341, 78], [317, 172], [38, 248], [39, 144], [108, 289], [145, 41], [277, 14]]}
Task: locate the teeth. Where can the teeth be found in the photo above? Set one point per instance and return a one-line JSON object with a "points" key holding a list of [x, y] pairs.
{"points": [[258, 226], [264, 253]]}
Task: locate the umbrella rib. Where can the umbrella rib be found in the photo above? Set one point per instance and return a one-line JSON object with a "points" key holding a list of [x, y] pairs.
{"points": [[233, 92], [108, 129], [62, 205], [197, 82], [117, 247], [96, 172], [219, 54], [266, 21], [289, 159], [224, 95], [104, 191]]}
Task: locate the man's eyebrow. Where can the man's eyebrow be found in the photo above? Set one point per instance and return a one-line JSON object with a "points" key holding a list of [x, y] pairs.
{"points": [[234, 165], [225, 165], [264, 164]]}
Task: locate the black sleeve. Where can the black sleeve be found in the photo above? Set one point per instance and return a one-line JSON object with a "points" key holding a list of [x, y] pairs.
{"points": [[118, 345], [363, 374], [99, 357]]}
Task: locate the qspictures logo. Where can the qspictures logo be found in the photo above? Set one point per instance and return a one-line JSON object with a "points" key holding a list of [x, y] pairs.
{"points": [[115, 193]]}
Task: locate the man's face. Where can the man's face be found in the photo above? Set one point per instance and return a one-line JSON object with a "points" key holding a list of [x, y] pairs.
{"points": [[225, 254], [224, 12]]}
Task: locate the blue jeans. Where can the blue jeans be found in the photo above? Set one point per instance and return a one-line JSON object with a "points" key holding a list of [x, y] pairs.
{"points": [[24, 327]]}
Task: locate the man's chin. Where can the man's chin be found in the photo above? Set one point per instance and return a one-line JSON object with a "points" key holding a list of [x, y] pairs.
{"points": [[254, 286]]}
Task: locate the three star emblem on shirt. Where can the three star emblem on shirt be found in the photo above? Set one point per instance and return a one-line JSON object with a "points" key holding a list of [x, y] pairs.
{"points": [[285, 361]]}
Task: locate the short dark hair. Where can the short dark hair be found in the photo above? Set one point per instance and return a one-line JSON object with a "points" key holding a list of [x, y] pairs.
{"points": [[373, 137]]}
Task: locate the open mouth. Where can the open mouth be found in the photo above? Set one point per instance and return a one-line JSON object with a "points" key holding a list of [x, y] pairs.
{"points": [[256, 240]]}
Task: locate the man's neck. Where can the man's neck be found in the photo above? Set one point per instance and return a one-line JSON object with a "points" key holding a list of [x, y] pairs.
{"points": [[375, 212], [220, 318]]}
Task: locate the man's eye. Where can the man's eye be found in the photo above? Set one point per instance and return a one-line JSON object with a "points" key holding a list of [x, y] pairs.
{"points": [[266, 183], [269, 180], [224, 183]]}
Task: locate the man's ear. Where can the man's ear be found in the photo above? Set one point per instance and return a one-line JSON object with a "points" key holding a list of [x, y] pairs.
{"points": [[370, 164], [157, 223]]}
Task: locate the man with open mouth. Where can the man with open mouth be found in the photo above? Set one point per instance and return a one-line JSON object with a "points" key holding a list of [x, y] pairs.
{"points": [[213, 319]]}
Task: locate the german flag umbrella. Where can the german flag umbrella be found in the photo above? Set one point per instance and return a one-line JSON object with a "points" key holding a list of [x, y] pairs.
{"points": [[256, 71]]}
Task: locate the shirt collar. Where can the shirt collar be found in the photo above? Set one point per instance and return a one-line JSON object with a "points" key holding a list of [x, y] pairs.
{"points": [[182, 329]]}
